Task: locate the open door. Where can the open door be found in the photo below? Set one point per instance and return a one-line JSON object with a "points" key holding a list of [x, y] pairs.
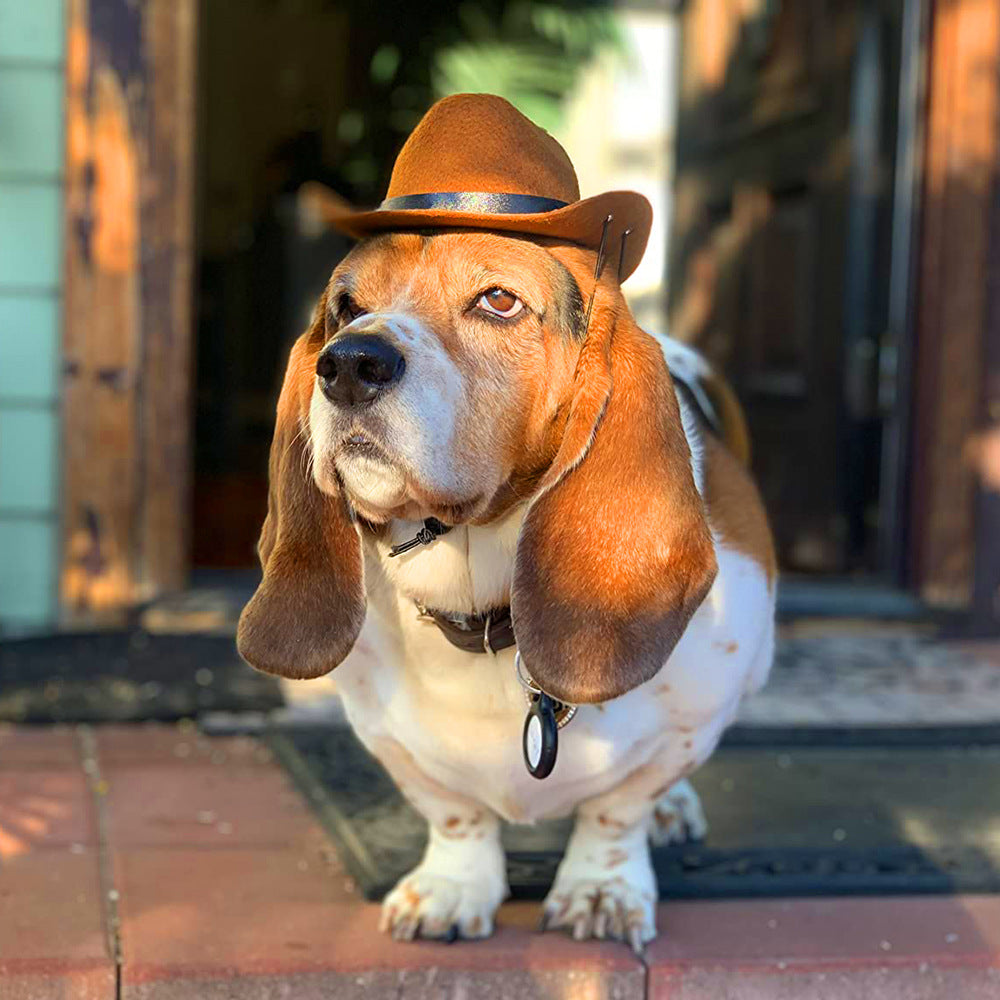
{"points": [[782, 250]]}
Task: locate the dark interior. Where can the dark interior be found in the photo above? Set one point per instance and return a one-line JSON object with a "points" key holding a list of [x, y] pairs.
{"points": [[318, 91], [793, 156], [324, 91]]}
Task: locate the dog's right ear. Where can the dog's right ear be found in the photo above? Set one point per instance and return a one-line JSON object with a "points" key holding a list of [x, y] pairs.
{"points": [[310, 605]]}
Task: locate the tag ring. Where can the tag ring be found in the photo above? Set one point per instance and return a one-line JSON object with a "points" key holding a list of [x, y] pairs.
{"points": [[564, 713]]}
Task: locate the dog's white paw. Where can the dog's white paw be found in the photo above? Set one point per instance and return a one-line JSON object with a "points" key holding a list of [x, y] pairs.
{"points": [[621, 906], [678, 816], [430, 905]]}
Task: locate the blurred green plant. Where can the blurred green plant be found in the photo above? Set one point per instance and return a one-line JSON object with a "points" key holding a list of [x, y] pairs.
{"points": [[384, 63], [529, 51], [532, 56]]}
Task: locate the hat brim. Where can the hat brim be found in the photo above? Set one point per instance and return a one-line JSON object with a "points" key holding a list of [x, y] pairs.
{"points": [[581, 222]]}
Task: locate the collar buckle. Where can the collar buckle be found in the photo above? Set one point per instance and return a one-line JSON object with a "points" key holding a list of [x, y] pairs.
{"points": [[487, 623]]}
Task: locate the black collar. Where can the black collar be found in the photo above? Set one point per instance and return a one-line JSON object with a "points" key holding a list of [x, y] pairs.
{"points": [[484, 633]]}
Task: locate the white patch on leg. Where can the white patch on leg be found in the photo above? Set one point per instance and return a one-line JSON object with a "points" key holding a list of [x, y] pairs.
{"points": [[454, 892], [677, 816], [605, 887]]}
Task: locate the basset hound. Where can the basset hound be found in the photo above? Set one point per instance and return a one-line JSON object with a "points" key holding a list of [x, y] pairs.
{"points": [[468, 470]]}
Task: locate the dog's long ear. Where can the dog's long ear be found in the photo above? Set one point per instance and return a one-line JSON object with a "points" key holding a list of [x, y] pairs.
{"points": [[310, 605], [615, 553]]}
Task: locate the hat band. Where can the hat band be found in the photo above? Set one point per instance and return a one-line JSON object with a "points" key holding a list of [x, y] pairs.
{"points": [[479, 202]]}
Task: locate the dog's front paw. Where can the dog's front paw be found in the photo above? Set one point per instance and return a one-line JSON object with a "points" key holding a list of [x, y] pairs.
{"points": [[678, 816], [430, 905], [621, 907]]}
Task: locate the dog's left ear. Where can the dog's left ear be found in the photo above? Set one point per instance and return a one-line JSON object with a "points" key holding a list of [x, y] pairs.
{"points": [[310, 605], [615, 553]]}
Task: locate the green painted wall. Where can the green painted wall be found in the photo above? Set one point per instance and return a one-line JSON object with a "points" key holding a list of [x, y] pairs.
{"points": [[31, 172]]}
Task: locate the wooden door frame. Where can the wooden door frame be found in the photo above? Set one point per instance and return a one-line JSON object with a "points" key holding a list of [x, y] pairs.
{"points": [[127, 326], [896, 361], [986, 583], [941, 529], [954, 526]]}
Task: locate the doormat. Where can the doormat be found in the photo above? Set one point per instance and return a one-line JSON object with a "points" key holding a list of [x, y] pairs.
{"points": [[784, 820], [124, 676]]}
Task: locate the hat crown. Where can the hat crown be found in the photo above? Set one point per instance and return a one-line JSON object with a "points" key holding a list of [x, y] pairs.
{"points": [[480, 142]]}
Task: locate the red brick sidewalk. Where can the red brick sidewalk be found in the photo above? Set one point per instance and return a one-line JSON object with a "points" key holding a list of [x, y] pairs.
{"points": [[154, 863]]}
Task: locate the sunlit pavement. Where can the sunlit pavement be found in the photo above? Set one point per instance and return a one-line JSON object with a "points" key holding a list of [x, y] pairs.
{"points": [[155, 862]]}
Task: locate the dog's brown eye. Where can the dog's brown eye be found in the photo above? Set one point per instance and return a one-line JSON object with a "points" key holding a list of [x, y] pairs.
{"points": [[349, 309], [500, 302]]}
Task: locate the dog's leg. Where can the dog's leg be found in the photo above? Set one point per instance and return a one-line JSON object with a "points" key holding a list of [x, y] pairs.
{"points": [[456, 890], [605, 885], [677, 816]]}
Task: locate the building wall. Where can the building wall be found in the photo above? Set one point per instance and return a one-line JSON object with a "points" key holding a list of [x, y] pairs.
{"points": [[31, 170]]}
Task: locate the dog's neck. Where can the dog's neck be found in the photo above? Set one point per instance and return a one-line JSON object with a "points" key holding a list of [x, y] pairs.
{"points": [[467, 571]]}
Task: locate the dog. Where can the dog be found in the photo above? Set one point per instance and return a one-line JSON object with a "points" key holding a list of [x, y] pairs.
{"points": [[474, 423]]}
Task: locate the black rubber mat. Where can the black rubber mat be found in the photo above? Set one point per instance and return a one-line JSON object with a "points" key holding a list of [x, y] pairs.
{"points": [[872, 813], [127, 675]]}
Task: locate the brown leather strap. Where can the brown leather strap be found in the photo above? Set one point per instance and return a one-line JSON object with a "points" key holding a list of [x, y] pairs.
{"points": [[486, 633]]}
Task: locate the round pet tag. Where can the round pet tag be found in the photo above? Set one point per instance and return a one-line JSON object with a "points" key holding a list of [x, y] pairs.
{"points": [[541, 736]]}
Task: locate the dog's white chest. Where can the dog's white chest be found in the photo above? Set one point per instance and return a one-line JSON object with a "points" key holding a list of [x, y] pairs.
{"points": [[459, 716]]}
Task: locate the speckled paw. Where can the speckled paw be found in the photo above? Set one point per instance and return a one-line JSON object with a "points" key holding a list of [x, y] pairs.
{"points": [[610, 908], [429, 905], [678, 816]]}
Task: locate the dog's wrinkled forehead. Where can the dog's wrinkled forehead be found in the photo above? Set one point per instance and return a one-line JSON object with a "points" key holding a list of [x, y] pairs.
{"points": [[440, 275]]}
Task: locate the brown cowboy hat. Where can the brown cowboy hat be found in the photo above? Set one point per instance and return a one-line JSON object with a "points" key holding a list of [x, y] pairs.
{"points": [[475, 162]]}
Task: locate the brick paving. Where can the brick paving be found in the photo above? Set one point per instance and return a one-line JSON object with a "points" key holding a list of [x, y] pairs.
{"points": [[53, 937], [154, 863]]}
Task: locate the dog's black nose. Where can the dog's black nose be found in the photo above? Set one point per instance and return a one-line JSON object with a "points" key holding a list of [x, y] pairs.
{"points": [[355, 368]]}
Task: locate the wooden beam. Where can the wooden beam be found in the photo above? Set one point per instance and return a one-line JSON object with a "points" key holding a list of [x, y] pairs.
{"points": [[960, 171], [986, 450], [130, 122]]}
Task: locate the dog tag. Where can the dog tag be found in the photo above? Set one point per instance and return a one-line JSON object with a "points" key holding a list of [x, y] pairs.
{"points": [[541, 736]]}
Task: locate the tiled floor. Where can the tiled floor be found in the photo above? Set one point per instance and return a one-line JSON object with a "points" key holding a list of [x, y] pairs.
{"points": [[155, 863], [849, 673]]}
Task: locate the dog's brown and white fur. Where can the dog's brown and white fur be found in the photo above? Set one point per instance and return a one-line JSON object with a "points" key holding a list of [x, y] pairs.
{"points": [[627, 538]]}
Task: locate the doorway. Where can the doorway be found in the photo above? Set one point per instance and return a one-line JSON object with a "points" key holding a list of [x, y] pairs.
{"points": [[782, 257], [317, 90]]}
